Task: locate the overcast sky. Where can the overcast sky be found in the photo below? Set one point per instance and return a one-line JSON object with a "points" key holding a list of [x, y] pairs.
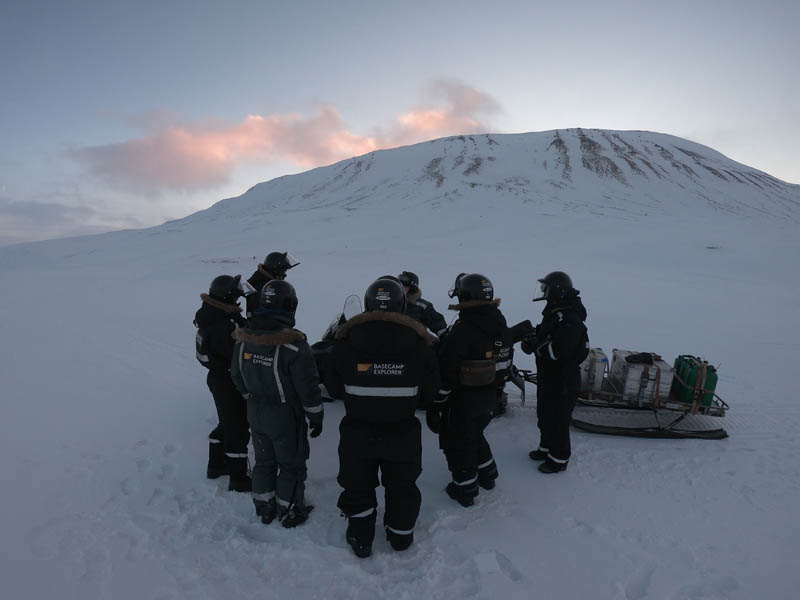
{"points": [[125, 114]]}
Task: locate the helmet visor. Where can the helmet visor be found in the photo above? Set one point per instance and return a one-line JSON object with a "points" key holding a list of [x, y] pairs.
{"points": [[291, 260], [245, 289], [454, 290], [543, 288]]}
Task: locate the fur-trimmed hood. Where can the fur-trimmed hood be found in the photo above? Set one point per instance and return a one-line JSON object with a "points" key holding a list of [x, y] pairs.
{"points": [[474, 304], [223, 306], [386, 317], [275, 338]]}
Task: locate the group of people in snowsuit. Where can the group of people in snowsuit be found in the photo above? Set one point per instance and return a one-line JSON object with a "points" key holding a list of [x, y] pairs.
{"points": [[397, 357]]}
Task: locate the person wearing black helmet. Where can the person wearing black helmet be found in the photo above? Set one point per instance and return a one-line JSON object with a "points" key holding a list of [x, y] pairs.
{"points": [[274, 370], [275, 266], [419, 309], [217, 318], [470, 365], [560, 343], [383, 367]]}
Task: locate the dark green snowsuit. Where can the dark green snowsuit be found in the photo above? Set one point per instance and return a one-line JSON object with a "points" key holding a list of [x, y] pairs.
{"points": [[274, 370]]}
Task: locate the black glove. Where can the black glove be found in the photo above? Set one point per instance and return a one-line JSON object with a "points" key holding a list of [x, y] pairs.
{"points": [[529, 344], [433, 417], [441, 398], [315, 428]]}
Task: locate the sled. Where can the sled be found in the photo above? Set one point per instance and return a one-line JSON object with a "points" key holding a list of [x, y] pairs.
{"points": [[660, 416]]}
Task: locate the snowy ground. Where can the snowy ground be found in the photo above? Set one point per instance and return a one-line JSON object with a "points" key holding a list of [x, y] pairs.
{"points": [[106, 413]]}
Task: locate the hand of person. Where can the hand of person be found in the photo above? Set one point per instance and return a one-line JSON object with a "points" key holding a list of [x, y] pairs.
{"points": [[529, 344], [441, 398], [433, 418], [314, 427]]}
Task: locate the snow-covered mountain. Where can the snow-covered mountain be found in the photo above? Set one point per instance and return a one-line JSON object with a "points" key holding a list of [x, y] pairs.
{"points": [[676, 250], [616, 173]]}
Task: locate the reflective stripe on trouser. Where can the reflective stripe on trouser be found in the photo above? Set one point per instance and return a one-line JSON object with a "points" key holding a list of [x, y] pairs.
{"points": [[392, 450], [281, 450]]}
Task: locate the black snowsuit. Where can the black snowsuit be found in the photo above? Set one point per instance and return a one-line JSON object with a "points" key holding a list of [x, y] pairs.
{"points": [[561, 343], [383, 367], [216, 321], [257, 280], [424, 312], [479, 334]]}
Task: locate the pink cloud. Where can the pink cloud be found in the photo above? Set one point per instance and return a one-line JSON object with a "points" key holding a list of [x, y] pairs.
{"points": [[197, 157]]}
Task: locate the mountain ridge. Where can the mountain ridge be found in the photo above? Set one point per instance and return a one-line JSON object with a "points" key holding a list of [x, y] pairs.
{"points": [[595, 169]]}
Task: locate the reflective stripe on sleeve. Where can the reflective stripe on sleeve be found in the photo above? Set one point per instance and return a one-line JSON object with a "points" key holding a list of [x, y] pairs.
{"points": [[291, 347], [499, 366], [277, 375], [236, 454], [387, 392]]}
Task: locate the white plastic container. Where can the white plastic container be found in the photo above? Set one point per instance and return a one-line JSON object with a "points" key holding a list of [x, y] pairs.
{"points": [[593, 370], [639, 381]]}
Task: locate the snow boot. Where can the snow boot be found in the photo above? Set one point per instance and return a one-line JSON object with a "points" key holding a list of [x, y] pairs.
{"points": [[360, 533], [550, 466], [266, 510], [240, 479], [296, 515], [399, 541], [538, 454], [457, 494], [501, 404], [216, 456], [486, 483], [487, 475]]}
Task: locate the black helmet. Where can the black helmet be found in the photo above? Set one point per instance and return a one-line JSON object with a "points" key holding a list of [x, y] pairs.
{"points": [[473, 286], [386, 294], [409, 279], [226, 288], [278, 263], [554, 286], [280, 295]]}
